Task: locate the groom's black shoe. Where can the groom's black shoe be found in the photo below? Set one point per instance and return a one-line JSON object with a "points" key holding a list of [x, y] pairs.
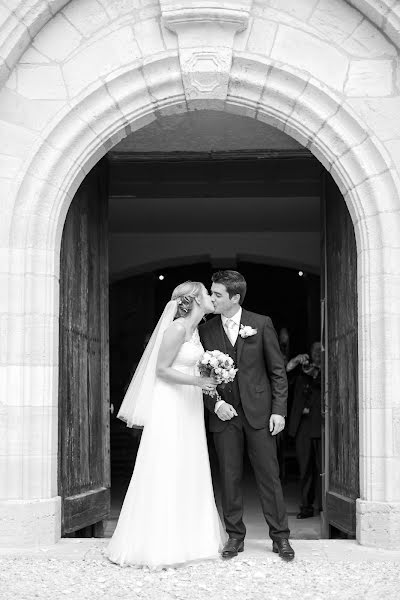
{"points": [[232, 547], [283, 548]]}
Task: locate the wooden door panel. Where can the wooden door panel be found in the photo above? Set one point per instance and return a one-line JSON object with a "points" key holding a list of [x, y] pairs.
{"points": [[341, 512], [341, 363], [84, 472], [86, 509]]}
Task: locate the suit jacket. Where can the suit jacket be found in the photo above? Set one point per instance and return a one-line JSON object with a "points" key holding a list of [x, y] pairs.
{"points": [[307, 393], [261, 378]]}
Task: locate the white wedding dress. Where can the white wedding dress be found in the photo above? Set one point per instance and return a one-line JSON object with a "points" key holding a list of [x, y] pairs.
{"points": [[169, 517]]}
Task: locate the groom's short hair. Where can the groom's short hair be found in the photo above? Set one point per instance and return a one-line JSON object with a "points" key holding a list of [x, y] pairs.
{"points": [[234, 282]]}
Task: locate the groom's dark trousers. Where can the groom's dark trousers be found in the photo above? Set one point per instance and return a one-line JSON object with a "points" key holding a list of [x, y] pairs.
{"points": [[261, 375]]}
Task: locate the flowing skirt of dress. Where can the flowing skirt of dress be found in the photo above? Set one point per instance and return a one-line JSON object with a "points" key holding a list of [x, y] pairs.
{"points": [[169, 516]]}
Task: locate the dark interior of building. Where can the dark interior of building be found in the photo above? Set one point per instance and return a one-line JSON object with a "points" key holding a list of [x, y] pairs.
{"points": [[188, 192]]}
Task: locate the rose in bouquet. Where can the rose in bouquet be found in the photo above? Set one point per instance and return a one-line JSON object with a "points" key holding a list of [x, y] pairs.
{"points": [[221, 366]]}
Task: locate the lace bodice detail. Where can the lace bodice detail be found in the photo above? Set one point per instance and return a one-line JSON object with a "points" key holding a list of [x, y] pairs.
{"points": [[190, 352]]}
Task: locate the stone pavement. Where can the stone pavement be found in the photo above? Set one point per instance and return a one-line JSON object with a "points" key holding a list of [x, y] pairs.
{"points": [[76, 568]]}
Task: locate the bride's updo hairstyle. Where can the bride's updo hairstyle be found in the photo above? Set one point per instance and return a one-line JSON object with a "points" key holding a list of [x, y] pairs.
{"points": [[184, 294]]}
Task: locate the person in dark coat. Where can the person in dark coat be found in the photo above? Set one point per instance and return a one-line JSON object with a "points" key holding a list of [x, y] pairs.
{"points": [[305, 426], [253, 407]]}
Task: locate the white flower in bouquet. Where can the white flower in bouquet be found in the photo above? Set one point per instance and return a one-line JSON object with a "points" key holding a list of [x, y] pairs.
{"points": [[205, 358]]}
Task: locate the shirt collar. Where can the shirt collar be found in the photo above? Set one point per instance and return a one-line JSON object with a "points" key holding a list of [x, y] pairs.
{"points": [[236, 317]]}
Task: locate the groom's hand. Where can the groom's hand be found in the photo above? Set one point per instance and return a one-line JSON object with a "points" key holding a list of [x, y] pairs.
{"points": [[276, 424], [225, 412]]}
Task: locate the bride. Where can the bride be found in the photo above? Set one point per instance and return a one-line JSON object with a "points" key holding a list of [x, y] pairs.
{"points": [[169, 516]]}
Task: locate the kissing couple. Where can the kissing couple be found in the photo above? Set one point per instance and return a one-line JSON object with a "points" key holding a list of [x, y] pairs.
{"points": [[169, 517]]}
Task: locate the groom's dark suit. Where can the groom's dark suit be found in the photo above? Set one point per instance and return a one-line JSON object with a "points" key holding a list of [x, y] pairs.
{"points": [[259, 389]]}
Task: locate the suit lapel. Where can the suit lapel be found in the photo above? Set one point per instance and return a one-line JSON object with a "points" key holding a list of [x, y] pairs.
{"points": [[240, 340], [218, 334], [222, 336]]}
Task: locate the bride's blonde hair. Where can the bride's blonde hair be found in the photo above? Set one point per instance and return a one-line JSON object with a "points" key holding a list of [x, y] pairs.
{"points": [[184, 294]]}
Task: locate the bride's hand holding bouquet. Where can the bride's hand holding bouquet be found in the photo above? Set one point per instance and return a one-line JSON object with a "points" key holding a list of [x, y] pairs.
{"points": [[207, 384]]}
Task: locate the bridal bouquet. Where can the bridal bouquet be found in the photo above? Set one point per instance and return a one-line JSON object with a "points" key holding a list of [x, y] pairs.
{"points": [[221, 366]]}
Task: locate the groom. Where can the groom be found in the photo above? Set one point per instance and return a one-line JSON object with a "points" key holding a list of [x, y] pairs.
{"points": [[252, 407]]}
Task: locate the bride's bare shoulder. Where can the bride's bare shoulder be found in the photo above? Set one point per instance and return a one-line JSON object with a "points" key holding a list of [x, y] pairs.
{"points": [[177, 329]]}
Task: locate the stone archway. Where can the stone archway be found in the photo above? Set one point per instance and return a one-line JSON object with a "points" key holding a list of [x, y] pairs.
{"points": [[23, 22], [80, 130]]}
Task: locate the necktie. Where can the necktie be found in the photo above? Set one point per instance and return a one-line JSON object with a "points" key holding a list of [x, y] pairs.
{"points": [[230, 330]]}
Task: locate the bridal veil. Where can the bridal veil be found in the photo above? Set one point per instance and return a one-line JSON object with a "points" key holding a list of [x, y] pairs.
{"points": [[137, 404]]}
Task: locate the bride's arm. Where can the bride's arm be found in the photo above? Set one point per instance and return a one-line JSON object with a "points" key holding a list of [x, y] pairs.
{"points": [[173, 339]]}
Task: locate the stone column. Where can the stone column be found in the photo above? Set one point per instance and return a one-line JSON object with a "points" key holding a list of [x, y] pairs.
{"points": [[378, 509], [29, 505]]}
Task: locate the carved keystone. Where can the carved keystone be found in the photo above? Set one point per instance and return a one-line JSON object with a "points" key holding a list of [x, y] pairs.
{"points": [[206, 32]]}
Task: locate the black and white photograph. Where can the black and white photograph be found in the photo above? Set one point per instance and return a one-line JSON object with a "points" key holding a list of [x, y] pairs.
{"points": [[200, 299]]}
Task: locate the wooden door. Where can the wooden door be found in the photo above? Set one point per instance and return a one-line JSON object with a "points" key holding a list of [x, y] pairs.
{"points": [[340, 380], [84, 471]]}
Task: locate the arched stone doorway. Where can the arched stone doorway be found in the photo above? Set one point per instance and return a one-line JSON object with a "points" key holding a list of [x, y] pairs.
{"points": [[162, 208], [73, 124]]}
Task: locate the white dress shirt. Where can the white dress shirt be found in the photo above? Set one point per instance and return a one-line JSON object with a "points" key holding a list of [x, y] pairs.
{"points": [[234, 332]]}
